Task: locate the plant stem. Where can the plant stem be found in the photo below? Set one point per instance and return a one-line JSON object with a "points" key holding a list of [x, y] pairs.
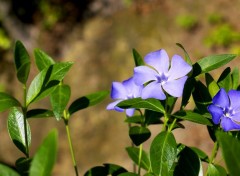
{"points": [[214, 152], [71, 147], [172, 125], [132, 145], [24, 111], [140, 158]]}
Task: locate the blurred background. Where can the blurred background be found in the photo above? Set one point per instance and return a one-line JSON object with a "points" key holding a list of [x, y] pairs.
{"points": [[98, 35]]}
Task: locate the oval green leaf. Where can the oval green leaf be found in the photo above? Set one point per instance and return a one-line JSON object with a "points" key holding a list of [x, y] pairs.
{"points": [[42, 60], [87, 101], [7, 101], [7, 171], [133, 153], [163, 153], [216, 170], [151, 104], [16, 130], [59, 100], [44, 159], [22, 62], [39, 113]]}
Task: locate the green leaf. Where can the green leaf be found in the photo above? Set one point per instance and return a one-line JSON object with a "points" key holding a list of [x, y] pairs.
{"points": [[133, 153], [230, 150], [212, 85], [235, 78], [128, 174], [44, 159], [210, 63], [151, 104], [139, 134], [216, 170], [193, 117], [163, 153], [152, 117], [188, 164], [39, 113], [16, 130], [44, 83], [22, 62], [187, 91], [42, 59], [225, 80], [23, 164], [7, 171], [187, 58], [7, 101], [137, 58], [201, 154], [201, 97], [106, 170], [135, 119], [59, 100], [87, 101]]}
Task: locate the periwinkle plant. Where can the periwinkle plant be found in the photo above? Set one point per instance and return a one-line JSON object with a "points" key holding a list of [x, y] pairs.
{"points": [[149, 97]]}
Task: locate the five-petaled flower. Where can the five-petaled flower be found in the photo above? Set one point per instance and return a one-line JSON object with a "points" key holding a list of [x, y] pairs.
{"points": [[123, 91], [158, 77], [225, 109]]}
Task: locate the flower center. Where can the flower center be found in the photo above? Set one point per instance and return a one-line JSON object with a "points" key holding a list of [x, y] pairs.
{"points": [[228, 112], [162, 78]]}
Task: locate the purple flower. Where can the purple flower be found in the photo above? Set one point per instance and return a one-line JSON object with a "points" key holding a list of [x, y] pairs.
{"points": [[159, 77], [225, 109], [123, 91]]}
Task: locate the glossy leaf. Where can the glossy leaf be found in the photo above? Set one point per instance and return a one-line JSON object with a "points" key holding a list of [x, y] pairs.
{"points": [[39, 113], [137, 58], [235, 78], [216, 170], [225, 80], [133, 153], [59, 100], [7, 171], [163, 153], [151, 104], [212, 85], [7, 101], [193, 117], [44, 83], [42, 60], [22, 62], [87, 101], [139, 134], [105, 170], [16, 130], [230, 151], [210, 63], [44, 159], [188, 164], [201, 97]]}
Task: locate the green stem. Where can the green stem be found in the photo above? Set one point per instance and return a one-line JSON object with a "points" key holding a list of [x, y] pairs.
{"points": [[24, 110], [214, 152], [172, 125], [132, 145], [140, 158], [71, 147]]}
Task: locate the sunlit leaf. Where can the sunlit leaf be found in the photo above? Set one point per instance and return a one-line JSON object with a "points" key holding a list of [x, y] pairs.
{"points": [[235, 78], [59, 100], [133, 153], [163, 153], [16, 130], [230, 150], [45, 157], [193, 117], [7, 171], [151, 104], [87, 101], [216, 170], [22, 62], [7, 101], [42, 59], [212, 85]]}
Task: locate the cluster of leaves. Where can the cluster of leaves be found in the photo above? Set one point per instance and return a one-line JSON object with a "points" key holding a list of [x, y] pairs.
{"points": [[47, 83], [165, 156]]}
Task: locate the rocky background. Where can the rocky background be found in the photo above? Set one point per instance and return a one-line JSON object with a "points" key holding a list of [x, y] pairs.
{"points": [[98, 35]]}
